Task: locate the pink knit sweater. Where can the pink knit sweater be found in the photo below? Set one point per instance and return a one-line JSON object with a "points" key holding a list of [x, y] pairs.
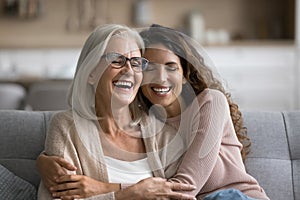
{"points": [[213, 160]]}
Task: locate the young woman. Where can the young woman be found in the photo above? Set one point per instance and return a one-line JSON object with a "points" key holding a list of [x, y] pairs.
{"points": [[179, 78]]}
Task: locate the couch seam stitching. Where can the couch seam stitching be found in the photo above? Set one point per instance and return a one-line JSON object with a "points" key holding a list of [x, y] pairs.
{"points": [[269, 158], [290, 153], [44, 124]]}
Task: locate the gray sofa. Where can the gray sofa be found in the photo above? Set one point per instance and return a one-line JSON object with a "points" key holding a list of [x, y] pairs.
{"points": [[273, 161]]}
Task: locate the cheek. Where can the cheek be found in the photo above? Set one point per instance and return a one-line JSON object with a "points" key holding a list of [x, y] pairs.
{"points": [[178, 79], [138, 79], [148, 77]]}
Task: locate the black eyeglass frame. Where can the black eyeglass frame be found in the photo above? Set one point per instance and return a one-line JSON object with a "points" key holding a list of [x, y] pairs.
{"points": [[112, 56]]}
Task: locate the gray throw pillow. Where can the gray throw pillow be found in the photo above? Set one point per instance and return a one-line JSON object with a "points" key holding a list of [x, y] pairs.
{"points": [[13, 187]]}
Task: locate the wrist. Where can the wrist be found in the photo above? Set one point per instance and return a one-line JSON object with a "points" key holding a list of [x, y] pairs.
{"points": [[130, 192], [114, 187]]}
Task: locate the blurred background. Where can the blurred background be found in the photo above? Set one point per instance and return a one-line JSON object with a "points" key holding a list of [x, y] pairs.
{"points": [[253, 44]]}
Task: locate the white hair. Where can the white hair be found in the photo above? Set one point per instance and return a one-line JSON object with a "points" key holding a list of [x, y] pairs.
{"points": [[81, 95]]}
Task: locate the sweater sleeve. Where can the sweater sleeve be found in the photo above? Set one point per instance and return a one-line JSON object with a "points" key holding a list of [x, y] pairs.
{"points": [[209, 120]]}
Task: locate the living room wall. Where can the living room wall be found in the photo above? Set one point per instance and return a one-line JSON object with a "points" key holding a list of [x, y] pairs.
{"points": [[243, 19]]}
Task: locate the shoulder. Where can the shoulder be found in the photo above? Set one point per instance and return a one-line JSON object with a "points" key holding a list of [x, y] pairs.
{"points": [[57, 132], [62, 123], [211, 95], [209, 98], [62, 117]]}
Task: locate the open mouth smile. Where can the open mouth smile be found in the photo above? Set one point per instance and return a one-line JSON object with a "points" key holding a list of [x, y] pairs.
{"points": [[161, 90], [123, 84]]}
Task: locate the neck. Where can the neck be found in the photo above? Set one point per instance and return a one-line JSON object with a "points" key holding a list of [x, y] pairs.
{"points": [[111, 121]]}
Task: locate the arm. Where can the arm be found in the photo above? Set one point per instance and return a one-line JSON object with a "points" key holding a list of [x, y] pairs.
{"points": [[61, 143], [52, 167], [201, 156], [63, 184], [155, 188], [78, 186]]}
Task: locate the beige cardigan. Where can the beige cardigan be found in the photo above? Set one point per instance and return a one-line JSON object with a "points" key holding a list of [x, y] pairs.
{"points": [[83, 148]]}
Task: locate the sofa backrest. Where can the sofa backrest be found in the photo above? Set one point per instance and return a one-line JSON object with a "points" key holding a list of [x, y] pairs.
{"points": [[273, 160], [22, 136], [275, 152]]}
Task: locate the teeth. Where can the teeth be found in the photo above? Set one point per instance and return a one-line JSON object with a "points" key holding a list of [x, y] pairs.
{"points": [[125, 84], [161, 90]]}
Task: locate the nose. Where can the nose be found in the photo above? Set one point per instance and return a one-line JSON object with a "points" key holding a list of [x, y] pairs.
{"points": [[127, 68], [162, 74]]}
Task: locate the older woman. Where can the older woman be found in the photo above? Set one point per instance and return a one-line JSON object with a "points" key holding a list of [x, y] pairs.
{"points": [[101, 135]]}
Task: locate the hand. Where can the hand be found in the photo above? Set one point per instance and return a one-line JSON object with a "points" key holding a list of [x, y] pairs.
{"points": [[156, 188], [80, 186], [52, 167]]}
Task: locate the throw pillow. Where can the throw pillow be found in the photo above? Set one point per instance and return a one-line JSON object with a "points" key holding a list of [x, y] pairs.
{"points": [[13, 187]]}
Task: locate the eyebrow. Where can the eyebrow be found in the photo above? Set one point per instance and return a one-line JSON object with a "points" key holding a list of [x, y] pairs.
{"points": [[172, 62]]}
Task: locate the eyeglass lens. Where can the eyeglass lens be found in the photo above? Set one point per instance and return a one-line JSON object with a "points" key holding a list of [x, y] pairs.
{"points": [[119, 61]]}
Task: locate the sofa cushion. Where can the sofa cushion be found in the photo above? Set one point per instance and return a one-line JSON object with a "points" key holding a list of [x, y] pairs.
{"points": [[25, 133], [267, 132], [296, 181], [292, 120], [269, 160], [274, 175], [13, 188]]}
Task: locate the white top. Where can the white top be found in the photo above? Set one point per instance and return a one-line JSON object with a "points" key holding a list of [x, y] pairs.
{"points": [[120, 171]]}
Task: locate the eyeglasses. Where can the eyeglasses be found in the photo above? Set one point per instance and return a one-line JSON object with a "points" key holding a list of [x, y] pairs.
{"points": [[116, 60]]}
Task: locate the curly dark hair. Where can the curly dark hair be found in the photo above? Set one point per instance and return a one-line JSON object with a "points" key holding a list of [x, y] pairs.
{"points": [[196, 72]]}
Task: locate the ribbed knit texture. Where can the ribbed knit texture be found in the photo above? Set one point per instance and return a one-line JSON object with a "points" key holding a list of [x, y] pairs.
{"points": [[213, 161]]}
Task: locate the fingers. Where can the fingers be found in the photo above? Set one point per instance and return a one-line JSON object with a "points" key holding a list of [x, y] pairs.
{"points": [[63, 163], [68, 194], [68, 187], [177, 195], [64, 186], [68, 178], [181, 186]]}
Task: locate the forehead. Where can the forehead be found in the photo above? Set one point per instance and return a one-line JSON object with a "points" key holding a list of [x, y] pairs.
{"points": [[159, 52], [123, 44]]}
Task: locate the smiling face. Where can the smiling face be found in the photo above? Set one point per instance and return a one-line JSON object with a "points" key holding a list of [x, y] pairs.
{"points": [[118, 86], [163, 78]]}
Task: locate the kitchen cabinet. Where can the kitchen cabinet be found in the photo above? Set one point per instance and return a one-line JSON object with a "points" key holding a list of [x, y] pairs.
{"points": [[259, 77]]}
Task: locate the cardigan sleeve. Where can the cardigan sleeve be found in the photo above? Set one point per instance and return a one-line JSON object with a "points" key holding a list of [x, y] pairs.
{"points": [[60, 142], [54, 145], [209, 120], [56, 137]]}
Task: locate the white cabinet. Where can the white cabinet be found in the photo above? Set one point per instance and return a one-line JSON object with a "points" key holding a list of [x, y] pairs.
{"points": [[37, 63], [258, 77]]}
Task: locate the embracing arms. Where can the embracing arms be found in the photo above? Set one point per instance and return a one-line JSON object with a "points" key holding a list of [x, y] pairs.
{"points": [[64, 180], [79, 186]]}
